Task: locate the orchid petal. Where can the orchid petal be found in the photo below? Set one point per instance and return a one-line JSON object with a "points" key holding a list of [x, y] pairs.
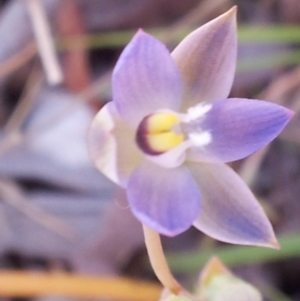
{"points": [[173, 158], [145, 79], [166, 200], [229, 211], [112, 145], [206, 59], [236, 128]]}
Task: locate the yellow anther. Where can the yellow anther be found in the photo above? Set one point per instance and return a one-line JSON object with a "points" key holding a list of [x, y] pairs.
{"points": [[161, 122], [165, 141], [159, 133]]}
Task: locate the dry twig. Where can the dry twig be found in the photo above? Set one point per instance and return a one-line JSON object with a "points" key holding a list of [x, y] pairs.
{"points": [[12, 195], [26, 285], [45, 42]]}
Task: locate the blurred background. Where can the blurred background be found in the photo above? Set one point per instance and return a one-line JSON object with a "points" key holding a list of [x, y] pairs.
{"points": [[57, 213]]}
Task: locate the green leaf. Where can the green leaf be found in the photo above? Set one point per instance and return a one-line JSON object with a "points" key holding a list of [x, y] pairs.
{"points": [[235, 255]]}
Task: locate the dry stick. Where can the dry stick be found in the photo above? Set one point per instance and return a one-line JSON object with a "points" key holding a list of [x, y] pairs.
{"points": [[251, 165], [158, 261], [36, 284], [13, 63], [18, 60], [12, 195], [77, 71], [13, 135], [9, 191], [45, 42], [26, 102], [97, 87], [282, 86]]}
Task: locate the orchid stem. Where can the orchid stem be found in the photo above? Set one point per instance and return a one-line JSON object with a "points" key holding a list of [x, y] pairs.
{"points": [[158, 261]]}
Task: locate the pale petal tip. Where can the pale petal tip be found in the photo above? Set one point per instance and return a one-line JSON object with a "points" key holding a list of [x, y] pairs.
{"points": [[290, 113], [233, 10], [229, 16], [231, 13], [274, 244], [140, 31]]}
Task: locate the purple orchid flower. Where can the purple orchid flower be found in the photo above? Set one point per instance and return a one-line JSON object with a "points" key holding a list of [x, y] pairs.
{"points": [[170, 128]]}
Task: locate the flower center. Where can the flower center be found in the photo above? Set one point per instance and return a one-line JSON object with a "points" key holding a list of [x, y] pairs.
{"points": [[158, 133]]}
